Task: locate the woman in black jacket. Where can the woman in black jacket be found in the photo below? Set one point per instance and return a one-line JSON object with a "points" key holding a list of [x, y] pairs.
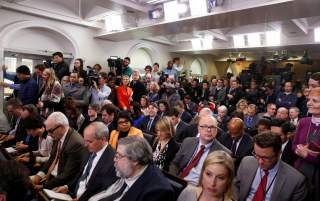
{"points": [[165, 147]]}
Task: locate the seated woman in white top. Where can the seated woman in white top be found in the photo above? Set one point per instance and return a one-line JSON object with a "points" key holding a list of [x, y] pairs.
{"points": [[215, 183]]}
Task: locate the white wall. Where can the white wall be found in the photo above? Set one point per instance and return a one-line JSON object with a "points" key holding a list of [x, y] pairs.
{"points": [[86, 46]]}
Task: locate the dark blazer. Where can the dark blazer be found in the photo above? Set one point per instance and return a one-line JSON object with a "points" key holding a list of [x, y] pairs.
{"points": [[144, 125], [152, 185], [288, 155], [103, 175], [289, 184], [173, 148], [181, 127], [186, 117], [244, 149], [138, 89], [186, 151], [73, 153]]}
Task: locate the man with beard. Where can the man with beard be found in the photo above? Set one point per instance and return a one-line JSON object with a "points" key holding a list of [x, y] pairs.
{"points": [[139, 179]]}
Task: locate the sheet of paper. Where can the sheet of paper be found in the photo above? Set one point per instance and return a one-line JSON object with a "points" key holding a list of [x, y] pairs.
{"points": [[57, 196], [11, 150]]}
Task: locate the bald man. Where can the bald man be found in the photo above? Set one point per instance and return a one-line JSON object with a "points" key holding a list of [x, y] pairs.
{"points": [[185, 164], [237, 141]]}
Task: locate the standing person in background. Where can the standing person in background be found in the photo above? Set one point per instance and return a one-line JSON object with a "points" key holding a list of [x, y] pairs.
{"points": [[137, 87], [306, 144], [100, 91], [37, 75], [126, 69], [78, 68], [155, 74], [27, 89], [177, 66], [124, 94], [60, 67], [170, 71], [50, 93]]}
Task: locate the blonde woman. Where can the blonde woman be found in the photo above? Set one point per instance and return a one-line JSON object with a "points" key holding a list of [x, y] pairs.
{"points": [[242, 106], [50, 93], [215, 183], [165, 147]]}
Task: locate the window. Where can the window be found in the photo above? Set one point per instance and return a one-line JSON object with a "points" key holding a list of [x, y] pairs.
{"points": [[11, 63], [140, 58], [196, 68], [27, 62]]}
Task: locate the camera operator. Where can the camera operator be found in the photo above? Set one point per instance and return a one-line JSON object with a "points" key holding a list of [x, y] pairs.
{"points": [[60, 67], [126, 69], [100, 91]]}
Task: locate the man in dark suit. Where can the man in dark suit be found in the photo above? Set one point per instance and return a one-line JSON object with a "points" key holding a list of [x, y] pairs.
{"points": [[179, 125], [99, 166], [108, 113], [222, 117], [184, 115], [139, 179], [234, 95], [68, 153], [189, 160], [265, 169], [283, 129], [239, 143], [251, 120], [137, 86], [149, 122]]}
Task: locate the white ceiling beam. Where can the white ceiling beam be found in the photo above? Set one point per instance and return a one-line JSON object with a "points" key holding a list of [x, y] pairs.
{"points": [[160, 40], [50, 15], [218, 34], [133, 5], [301, 25]]}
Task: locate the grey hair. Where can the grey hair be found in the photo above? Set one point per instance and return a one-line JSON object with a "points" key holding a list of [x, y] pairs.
{"points": [[137, 149], [58, 118], [205, 111], [295, 109], [223, 108], [100, 130]]}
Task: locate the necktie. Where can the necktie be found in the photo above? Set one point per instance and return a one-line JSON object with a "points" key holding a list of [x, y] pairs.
{"points": [[193, 163], [234, 147], [87, 170], [116, 195], [260, 194], [55, 161], [89, 166], [149, 125]]}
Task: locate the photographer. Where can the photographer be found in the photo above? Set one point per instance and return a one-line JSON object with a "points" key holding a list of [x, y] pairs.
{"points": [[126, 69], [60, 67], [100, 91]]}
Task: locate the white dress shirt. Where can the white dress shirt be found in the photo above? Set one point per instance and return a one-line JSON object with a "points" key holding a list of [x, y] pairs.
{"points": [[83, 184]]}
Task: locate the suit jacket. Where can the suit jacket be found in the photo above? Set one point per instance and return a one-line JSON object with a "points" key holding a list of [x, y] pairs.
{"points": [[138, 90], [145, 122], [289, 184], [186, 151], [186, 117], [72, 154], [181, 127], [150, 186], [244, 149], [97, 182], [288, 155]]}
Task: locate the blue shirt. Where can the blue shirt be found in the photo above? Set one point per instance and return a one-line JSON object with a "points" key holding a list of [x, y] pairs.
{"points": [[270, 182]]}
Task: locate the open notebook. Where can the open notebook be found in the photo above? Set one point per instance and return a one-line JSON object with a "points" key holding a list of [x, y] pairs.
{"points": [[57, 196]]}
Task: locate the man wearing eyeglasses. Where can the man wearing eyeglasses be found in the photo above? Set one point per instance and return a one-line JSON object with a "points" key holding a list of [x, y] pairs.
{"points": [[96, 173], [68, 152], [139, 179], [264, 177], [188, 161]]}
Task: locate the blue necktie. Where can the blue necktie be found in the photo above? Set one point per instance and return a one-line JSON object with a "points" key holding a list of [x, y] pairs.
{"points": [[87, 170]]}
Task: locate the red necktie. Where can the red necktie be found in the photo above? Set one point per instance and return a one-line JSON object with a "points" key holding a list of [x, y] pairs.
{"points": [[193, 163], [259, 196]]}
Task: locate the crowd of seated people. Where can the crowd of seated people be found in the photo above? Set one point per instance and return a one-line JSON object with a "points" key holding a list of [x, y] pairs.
{"points": [[119, 136]]}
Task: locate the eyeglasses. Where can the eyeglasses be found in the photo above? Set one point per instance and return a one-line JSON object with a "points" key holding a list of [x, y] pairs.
{"points": [[123, 122], [119, 156], [206, 127], [264, 158], [53, 129]]}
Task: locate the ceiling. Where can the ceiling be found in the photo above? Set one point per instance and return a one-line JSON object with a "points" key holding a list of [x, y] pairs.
{"points": [[295, 18]]}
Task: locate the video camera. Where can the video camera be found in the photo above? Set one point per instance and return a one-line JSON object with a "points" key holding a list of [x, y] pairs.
{"points": [[93, 76], [115, 63]]}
